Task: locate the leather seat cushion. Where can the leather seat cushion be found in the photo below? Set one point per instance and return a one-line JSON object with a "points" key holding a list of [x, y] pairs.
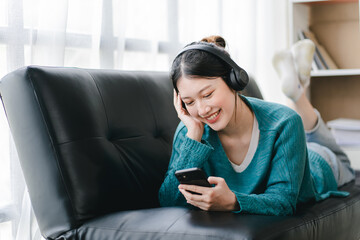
{"points": [[328, 219]]}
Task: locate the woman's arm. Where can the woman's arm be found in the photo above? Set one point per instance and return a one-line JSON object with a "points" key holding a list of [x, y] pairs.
{"points": [[186, 153]]}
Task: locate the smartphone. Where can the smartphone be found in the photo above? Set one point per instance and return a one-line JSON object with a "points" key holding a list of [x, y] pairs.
{"points": [[192, 176]]}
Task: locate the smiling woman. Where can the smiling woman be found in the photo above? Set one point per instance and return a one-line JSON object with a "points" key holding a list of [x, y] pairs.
{"points": [[254, 151]]}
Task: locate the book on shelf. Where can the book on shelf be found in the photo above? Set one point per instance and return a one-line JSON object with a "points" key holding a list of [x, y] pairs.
{"points": [[329, 61], [345, 131], [322, 59]]}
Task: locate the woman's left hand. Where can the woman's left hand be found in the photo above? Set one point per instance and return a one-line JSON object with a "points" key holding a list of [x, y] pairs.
{"points": [[218, 198]]}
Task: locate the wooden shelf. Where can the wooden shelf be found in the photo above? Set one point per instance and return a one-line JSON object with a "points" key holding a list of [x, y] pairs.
{"points": [[335, 93], [336, 96], [322, 1], [336, 72], [353, 153], [335, 25]]}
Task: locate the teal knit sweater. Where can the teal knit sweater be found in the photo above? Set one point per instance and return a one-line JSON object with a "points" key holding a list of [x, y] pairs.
{"points": [[281, 174]]}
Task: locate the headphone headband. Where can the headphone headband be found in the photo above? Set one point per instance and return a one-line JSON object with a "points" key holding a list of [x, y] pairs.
{"points": [[238, 76]]}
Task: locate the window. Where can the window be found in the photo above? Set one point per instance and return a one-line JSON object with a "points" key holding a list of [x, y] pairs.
{"points": [[3, 13], [120, 34], [203, 23], [135, 60], [79, 57], [139, 14], [3, 65], [5, 184], [5, 163], [5, 230]]}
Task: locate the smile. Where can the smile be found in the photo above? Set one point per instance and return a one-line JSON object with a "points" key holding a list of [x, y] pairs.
{"points": [[213, 117]]}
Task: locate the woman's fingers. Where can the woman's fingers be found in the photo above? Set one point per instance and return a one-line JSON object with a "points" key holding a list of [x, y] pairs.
{"points": [[216, 180], [191, 196], [201, 205], [194, 188], [218, 198], [196, 200], [178, 104], [194, 126]]}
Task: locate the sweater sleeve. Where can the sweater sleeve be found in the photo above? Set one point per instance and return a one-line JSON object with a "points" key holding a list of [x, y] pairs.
{"points": [[186, 153], [285, 175]]}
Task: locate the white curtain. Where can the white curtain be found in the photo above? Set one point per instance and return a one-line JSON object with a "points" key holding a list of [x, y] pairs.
{"points": [[127, 35]]}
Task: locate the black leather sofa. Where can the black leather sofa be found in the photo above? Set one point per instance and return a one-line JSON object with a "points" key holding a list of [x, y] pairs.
{"points": [[94, 146]]}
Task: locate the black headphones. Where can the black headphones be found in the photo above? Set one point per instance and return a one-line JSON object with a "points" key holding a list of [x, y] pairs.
{"points": [[238, 78]]}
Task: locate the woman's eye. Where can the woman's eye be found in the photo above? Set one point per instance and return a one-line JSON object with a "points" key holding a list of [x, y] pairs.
{"points": [[188, 103], [208, 95]]}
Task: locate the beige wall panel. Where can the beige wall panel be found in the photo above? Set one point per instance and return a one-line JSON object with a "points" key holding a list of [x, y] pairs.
{"points": [[336, 27], [336, 97]]}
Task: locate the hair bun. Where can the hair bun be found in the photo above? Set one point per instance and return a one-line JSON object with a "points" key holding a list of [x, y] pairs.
{"points": [[217, 40]]}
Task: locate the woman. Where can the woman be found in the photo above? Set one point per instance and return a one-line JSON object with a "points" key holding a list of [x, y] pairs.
{"points": [[256, 153]]}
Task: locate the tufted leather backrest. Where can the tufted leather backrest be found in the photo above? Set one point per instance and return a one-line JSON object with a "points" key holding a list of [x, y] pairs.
{"points": [[107, 136], [90, 142]]}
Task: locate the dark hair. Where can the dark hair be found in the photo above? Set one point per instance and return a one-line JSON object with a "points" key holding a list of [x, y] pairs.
{"points": [[197, 63]]}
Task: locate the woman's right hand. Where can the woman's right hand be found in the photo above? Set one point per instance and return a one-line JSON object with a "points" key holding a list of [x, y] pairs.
{"points": [[194, 126]]}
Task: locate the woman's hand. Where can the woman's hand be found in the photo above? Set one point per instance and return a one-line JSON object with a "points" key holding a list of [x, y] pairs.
{"points": [[194, 126], [218, 198]]}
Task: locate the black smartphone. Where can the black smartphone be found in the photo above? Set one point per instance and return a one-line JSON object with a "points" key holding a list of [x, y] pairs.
{"points": [[192, 176]]}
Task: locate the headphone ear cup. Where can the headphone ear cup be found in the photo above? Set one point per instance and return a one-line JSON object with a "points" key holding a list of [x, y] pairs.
{"points": [[234, 82], [238, 81]]}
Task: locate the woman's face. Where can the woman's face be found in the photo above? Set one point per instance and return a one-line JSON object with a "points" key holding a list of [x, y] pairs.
{"points": [[209, 100]]}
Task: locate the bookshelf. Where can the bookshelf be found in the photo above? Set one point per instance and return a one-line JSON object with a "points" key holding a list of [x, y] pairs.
{"points": [[335, 23], [335, 92], [336, 72]]}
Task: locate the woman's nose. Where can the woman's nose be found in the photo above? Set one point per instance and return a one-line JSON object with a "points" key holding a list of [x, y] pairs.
{"points": [[203, 110]]}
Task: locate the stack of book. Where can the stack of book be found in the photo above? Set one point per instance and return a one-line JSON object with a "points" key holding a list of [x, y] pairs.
{"points": [[345, 131], [322, 59]]}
